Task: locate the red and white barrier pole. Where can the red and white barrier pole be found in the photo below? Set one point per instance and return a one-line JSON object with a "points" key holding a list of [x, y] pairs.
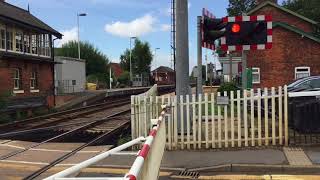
{"points": [[143, 153]]}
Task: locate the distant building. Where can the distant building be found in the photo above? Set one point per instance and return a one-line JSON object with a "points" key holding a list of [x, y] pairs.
{"points": [[26, 60], [163, 75], [70, 75], [295, 52]]}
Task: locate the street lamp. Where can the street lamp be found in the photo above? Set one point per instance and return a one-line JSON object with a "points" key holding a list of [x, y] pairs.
{"points": [[78, 15], [130, 58], [154, 58]]}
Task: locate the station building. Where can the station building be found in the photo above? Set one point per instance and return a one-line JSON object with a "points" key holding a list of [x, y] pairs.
{"points": [[26, 59]]}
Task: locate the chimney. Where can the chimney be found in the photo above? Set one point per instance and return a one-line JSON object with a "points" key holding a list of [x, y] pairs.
{"points": [[262, 1]]}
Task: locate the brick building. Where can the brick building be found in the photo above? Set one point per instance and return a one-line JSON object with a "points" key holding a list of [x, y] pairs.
{"points": [[163, 76], [295, 52], [26, 59]]}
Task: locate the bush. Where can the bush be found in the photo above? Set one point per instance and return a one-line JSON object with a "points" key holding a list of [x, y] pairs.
{"points": [[228, 87], [124, 78]]}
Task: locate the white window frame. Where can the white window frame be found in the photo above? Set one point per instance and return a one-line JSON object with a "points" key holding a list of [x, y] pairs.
{"points": [[256, 73], [10, 40], [16, 78], [299, 68], [33, 80], [3, 28], [16, 33]]}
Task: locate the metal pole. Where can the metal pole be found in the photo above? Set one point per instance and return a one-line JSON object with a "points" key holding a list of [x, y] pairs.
{"points": [[182, 55], [206, 58], [110, 78], [244, 70], [155, 53], [199, 67], [130, 61], [78, 36], [230, 67]]}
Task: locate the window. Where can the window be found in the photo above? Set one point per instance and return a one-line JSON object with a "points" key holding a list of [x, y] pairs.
{"points": [[74, 82], [2, 38], [34, 46], [26, 43], [47, 45], [18, 39], [255, 75], [34, 80], [16, 79], [301, 72], [9, 36], [315, 83]]}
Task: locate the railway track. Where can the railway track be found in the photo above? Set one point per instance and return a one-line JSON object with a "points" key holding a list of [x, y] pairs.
{"points": [[107, 127], [78, 115]]}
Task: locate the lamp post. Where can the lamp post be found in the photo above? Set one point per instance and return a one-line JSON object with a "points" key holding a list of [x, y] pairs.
{"points": [[130, 58], [78, 15], [154, 58]]}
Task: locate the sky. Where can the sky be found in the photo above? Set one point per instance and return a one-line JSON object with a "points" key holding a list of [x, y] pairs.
{"points": [[110, 23]]}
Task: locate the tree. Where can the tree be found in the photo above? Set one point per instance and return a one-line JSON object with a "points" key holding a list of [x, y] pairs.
{"points": [[96, 61], [307, 8], [239, 7], [141, 58]]}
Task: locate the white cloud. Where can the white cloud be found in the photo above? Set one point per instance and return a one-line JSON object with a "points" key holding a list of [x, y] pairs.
{"points": [[189, 5], [68, 35], [165, 27], [136, 27]]}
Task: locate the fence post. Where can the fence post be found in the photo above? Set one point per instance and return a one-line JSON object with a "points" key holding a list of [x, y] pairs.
{"points": [[239, 118], [280, 115], [175, 122], [206, 120], [259, 118], [188, 120], [286, 138], [226, 129], [194, 119], [273, 101], [245, 117], [213, 133], [252, 117], [232, 117], [181, 103], [219, 124], [266, 118]]}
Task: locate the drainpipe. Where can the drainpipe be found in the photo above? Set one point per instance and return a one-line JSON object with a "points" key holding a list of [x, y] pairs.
{"points": [[53, 77]]}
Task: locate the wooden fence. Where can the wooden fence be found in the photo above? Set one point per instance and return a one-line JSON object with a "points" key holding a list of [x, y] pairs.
{"points": [[246, 118]]}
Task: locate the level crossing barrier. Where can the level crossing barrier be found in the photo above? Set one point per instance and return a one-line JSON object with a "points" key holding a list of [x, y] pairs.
{"points": [[145, 167]]}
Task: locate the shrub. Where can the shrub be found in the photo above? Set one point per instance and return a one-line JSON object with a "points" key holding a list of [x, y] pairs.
{"points": [[228, 87]]}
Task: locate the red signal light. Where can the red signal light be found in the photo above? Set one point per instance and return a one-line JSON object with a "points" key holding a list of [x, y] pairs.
{"points": [[236, 28]]}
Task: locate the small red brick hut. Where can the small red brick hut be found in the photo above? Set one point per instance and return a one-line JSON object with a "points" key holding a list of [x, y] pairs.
{"points": [[295, 52]]}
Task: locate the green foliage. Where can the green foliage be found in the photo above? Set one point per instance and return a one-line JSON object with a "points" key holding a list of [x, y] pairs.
{"points": [[124, 78], [307, 8], [228, 87], [239, 7], [141, 58], [96, 61], [4, 97]]}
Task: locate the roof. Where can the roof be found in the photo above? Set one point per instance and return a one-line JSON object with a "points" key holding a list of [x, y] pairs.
{"points": [[283, 9], [163, 69], [24, 17], [296, 30], [61, 58]]}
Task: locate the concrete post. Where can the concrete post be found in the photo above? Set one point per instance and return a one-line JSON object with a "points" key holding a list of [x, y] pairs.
{"points": [[230, 67], [199, 67], [244, 70], [182, 51]]}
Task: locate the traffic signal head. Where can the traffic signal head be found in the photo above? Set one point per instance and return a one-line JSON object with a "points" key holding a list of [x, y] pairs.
{"points": [[247, 33], [212, 29]]}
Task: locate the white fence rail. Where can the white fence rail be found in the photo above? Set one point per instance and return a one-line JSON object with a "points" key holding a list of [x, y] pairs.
{"points": [[250, 118]]}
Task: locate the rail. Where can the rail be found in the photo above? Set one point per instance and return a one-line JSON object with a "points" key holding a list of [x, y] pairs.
{"points": [[145, 167]]}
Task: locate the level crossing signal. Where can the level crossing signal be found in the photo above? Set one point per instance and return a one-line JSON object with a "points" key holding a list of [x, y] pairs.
{"points": [[239, 33]]}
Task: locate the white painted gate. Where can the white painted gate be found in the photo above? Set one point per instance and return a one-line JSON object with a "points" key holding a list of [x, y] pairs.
{"points": [[251, 118]]}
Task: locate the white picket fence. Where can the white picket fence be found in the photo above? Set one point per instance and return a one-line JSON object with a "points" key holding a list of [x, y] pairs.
{"points": [[251, 118]]}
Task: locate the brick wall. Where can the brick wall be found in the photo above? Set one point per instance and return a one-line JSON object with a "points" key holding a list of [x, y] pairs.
{"points": [[290, 50], [45, 78]]}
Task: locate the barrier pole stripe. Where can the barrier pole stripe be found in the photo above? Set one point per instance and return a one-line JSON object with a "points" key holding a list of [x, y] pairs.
{"points": [[143, 153]]}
